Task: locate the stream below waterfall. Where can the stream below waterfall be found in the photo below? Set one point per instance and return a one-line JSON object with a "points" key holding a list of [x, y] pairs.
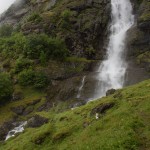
{"points": [[17, 129]]}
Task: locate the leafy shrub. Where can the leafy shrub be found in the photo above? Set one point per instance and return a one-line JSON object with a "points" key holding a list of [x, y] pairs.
{"points": [[30, 77], [57, 49], [6, 30], [21, 64], [35, 17], [52, 47], [36, 44], [33, 46], [6, 87], [11, 46], [43, 58], [66, 15], [65, 23], [40, 80], [26, 77]]}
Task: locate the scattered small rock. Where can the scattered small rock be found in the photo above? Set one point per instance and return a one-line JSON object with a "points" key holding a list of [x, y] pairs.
{"points": [[37, 121]]}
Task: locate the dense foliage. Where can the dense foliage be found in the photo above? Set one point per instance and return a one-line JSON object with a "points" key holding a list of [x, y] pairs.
{"points": [[53, 48], [32, 46], [6, 30], [29, 77], [21, 64], [6, 88]]}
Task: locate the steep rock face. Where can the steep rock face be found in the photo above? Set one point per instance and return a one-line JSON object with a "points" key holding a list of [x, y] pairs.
{"points": [[14, 14], [138, 39], [81, 24]]}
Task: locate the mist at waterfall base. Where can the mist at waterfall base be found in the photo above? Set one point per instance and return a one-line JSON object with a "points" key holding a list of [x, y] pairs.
{"points": [[111, 72]]}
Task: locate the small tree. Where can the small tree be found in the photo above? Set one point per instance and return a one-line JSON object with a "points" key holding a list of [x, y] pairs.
{"points": [[6, 88]]}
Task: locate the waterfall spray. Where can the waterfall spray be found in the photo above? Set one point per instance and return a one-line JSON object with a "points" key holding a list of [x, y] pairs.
{"points": [[112, 70]]}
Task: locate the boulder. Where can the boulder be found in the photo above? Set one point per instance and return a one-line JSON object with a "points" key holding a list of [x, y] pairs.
{"points": [[102, 108], [36, 121], [17, 96], [28, 110], [110, 92], [45, 107], [18, 110]]}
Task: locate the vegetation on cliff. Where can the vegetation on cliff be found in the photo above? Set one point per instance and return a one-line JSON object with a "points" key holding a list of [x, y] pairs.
{"points": [[45, 50]]}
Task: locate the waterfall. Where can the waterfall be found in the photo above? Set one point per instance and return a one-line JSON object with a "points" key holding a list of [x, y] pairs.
{"points": [[16, 130], [112, 70], [80, 88]]}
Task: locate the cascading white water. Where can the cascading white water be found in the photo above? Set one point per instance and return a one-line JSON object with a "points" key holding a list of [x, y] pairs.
{"points": [[112, 70], [80, 88], [16, 130]]}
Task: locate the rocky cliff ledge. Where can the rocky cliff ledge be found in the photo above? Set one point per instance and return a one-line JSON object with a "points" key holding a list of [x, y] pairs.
{"points": [[138, 40]]}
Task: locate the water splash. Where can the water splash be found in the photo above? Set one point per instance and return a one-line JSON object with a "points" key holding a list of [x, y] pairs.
{"points": [[112, 70], [16, 130]]}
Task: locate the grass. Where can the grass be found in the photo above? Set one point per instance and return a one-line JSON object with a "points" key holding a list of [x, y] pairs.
{"points": [[123, 127], [30, 95]]}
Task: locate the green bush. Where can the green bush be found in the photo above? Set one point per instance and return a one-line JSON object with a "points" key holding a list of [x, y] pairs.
{"points": [[6, 30], [33, 46], [57, 49], [26, 77], [30, 77], [6, 88], [43, 58], [66, 15], [21, 64], [52, 47], [65, 23], [40, 80], [13, 46], [35, 17], [36, 44]]}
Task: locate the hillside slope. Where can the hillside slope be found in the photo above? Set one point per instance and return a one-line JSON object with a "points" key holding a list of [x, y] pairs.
{"points": [[47, 48], [119, 121]]}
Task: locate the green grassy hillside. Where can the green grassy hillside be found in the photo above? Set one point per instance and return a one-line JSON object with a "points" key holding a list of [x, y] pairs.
{"points": [[122, 126]]}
